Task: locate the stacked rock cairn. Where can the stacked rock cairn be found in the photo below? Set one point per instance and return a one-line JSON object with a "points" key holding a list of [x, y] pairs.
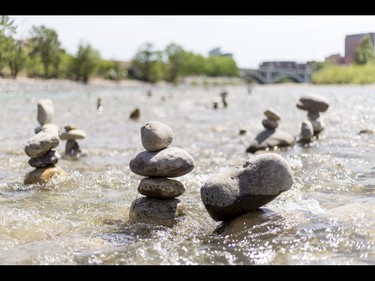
{"points": [[158, 164], [71, 134], [243, 189], [40, 148], [271, 138], [313, 104]]}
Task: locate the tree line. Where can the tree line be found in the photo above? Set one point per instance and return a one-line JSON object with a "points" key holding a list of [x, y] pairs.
{"points": [[41, 55]]}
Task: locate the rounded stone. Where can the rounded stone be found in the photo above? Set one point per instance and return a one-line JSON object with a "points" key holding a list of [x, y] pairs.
{"points": [[270, 124], [41, 143], [74, 134], [156, 136], [307, 130], [270, 139], [170, 162], [43, 175], [244, 189], [51, 157], [161, 188], [313, 115], [155, 211], [45, 111], [317, 125], [313, 103], [70, 127], [272, 114]]}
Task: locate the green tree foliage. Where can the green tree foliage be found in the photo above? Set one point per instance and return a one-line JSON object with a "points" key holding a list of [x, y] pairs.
{"points": [[364, 54], [11, 53], [174, 62], [85, 62], [147, 64], [46, 45]]}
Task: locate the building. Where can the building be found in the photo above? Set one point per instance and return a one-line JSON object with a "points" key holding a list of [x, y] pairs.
{"points": [[352, 42], [217, 52], [335, 59]]}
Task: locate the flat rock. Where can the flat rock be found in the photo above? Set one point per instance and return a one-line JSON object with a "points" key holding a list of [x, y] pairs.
{"points": [[272, 114], [161, 188], [270, 139], [45, 111], [48, 126], [313, 103], [51, 157], [156, 136], [74, 134], [155, 211], [42, 142], [170, 162], [307, 130], [43, 175], [270, 124], [244, 189]]}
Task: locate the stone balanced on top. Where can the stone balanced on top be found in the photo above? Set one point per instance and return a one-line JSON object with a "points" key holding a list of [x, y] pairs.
{"points": [[40, 148], [313, 104], [71, 134], [159, 163], [271, 137]]}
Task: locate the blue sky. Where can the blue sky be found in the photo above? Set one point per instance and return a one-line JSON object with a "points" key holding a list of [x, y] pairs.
{"points": [[251, 39]]}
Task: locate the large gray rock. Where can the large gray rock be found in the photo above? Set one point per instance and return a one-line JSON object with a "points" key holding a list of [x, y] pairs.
{"points": [[244, 189], [47, 127], [161, 188], [156, 136], [170, 162], [313, 103], [74, 134], [45, 111], [42, 142], [270, 139], [51, 157], [272, 114], [307, 130], [155, 211]]}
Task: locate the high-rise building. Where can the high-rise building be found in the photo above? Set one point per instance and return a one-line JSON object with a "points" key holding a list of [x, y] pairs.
{"points": [[352, 42]]}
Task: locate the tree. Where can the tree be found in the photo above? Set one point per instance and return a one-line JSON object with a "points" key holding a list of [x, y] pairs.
{"points": [[148, 65], [175, 55], [17, 59], [7, 42], [45, 44], [85, 62], [364, 54]]}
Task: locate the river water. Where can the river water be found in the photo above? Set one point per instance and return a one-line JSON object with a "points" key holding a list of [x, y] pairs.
{"points": [[326, 218]]}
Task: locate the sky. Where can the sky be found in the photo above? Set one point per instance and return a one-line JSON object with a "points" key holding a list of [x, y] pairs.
{"points": [[251, 39]]}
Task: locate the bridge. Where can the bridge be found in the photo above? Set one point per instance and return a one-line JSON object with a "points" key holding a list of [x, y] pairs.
{"points": [[268, 75]]}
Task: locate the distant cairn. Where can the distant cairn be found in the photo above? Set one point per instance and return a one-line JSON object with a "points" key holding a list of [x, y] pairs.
{"points": [[71, 134], [158, 164], [271, 138], [41, 147], [313, 125]]}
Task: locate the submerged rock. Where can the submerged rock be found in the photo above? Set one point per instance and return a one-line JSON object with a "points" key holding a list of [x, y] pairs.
{"points": [[43, 175], [156, 136], [169, 162], [161, 188], [243, 189], [270, 139], [156, 211]]}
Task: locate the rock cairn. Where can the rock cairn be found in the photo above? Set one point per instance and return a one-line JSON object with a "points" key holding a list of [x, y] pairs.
{"points": [[270, 137], [71, 135], [158, 164], [40, 148], [244, 189], [314, 105]]}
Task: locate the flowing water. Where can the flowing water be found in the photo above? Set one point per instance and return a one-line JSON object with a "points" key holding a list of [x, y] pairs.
{"points": [[327, 217]]}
